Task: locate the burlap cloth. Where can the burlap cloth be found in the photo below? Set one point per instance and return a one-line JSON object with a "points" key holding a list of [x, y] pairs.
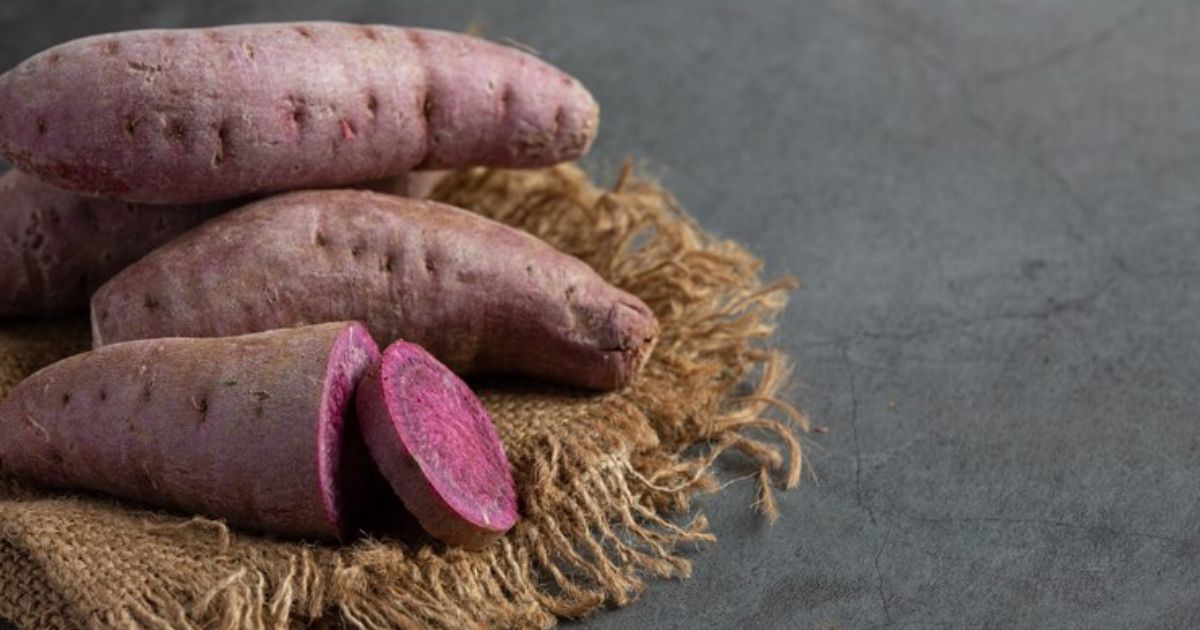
{"points": [[605, 481]]}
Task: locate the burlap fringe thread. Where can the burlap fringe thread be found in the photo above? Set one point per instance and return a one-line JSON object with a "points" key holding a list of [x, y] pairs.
{"points": [[600, 477]]}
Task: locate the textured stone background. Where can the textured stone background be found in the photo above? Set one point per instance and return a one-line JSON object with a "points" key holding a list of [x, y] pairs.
{"points": [[995, 210]]}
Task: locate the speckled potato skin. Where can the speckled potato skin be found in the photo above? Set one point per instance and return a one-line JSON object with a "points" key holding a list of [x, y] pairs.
{"points": [[480, 296], [188, 116], [249, 429], [57, 247]]}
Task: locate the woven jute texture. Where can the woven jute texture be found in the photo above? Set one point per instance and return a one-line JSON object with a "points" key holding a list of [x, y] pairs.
{"points": [[605, 480]]}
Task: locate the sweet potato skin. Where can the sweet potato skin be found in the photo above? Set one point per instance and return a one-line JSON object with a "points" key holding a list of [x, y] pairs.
{"points": [[57, 248], [195, 115], [236, 428], [480, 296], [436, 445]]}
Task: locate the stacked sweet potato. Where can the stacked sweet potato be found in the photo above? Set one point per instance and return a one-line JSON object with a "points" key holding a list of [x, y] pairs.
{"points": [[236, 372]]}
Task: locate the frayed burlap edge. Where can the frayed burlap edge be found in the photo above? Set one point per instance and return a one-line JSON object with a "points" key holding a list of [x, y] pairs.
{"points": [[604, 480]]}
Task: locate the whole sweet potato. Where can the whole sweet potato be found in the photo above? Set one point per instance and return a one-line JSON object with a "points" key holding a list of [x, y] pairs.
{"points": [[254, 429], [57, 247], [436, 445], [480, 296], [187, 116]]}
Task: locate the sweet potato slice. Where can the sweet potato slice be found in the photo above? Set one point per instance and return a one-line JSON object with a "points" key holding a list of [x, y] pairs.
{"points": [[436, 445]]}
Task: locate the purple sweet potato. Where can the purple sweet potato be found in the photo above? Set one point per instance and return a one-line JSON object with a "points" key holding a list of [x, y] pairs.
{"points": [[253, 429], [480, 296], [186, 116], [57, 247], [436, 445]]}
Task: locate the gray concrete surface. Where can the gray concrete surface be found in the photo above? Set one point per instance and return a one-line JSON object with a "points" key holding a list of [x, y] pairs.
{"points": [[995, 208]]}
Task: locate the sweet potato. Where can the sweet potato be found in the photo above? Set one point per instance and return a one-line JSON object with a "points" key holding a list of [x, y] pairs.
{"points": [[187, 116], [436, 445], [480, 296], [250, 429], [57, 247]]}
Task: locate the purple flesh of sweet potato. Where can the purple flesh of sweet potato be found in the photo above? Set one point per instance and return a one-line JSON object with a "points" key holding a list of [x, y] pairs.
{"points": [[436, 445], [250, 429]]}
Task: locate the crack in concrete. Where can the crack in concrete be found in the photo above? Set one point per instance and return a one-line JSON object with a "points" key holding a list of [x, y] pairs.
{"points": [[1053, 309], [1129, 270], [1087, 44], [928, 56], [1037, 162], [853, 382], [901, 39], [887, 610], [912, 623], [1044, 522]]}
